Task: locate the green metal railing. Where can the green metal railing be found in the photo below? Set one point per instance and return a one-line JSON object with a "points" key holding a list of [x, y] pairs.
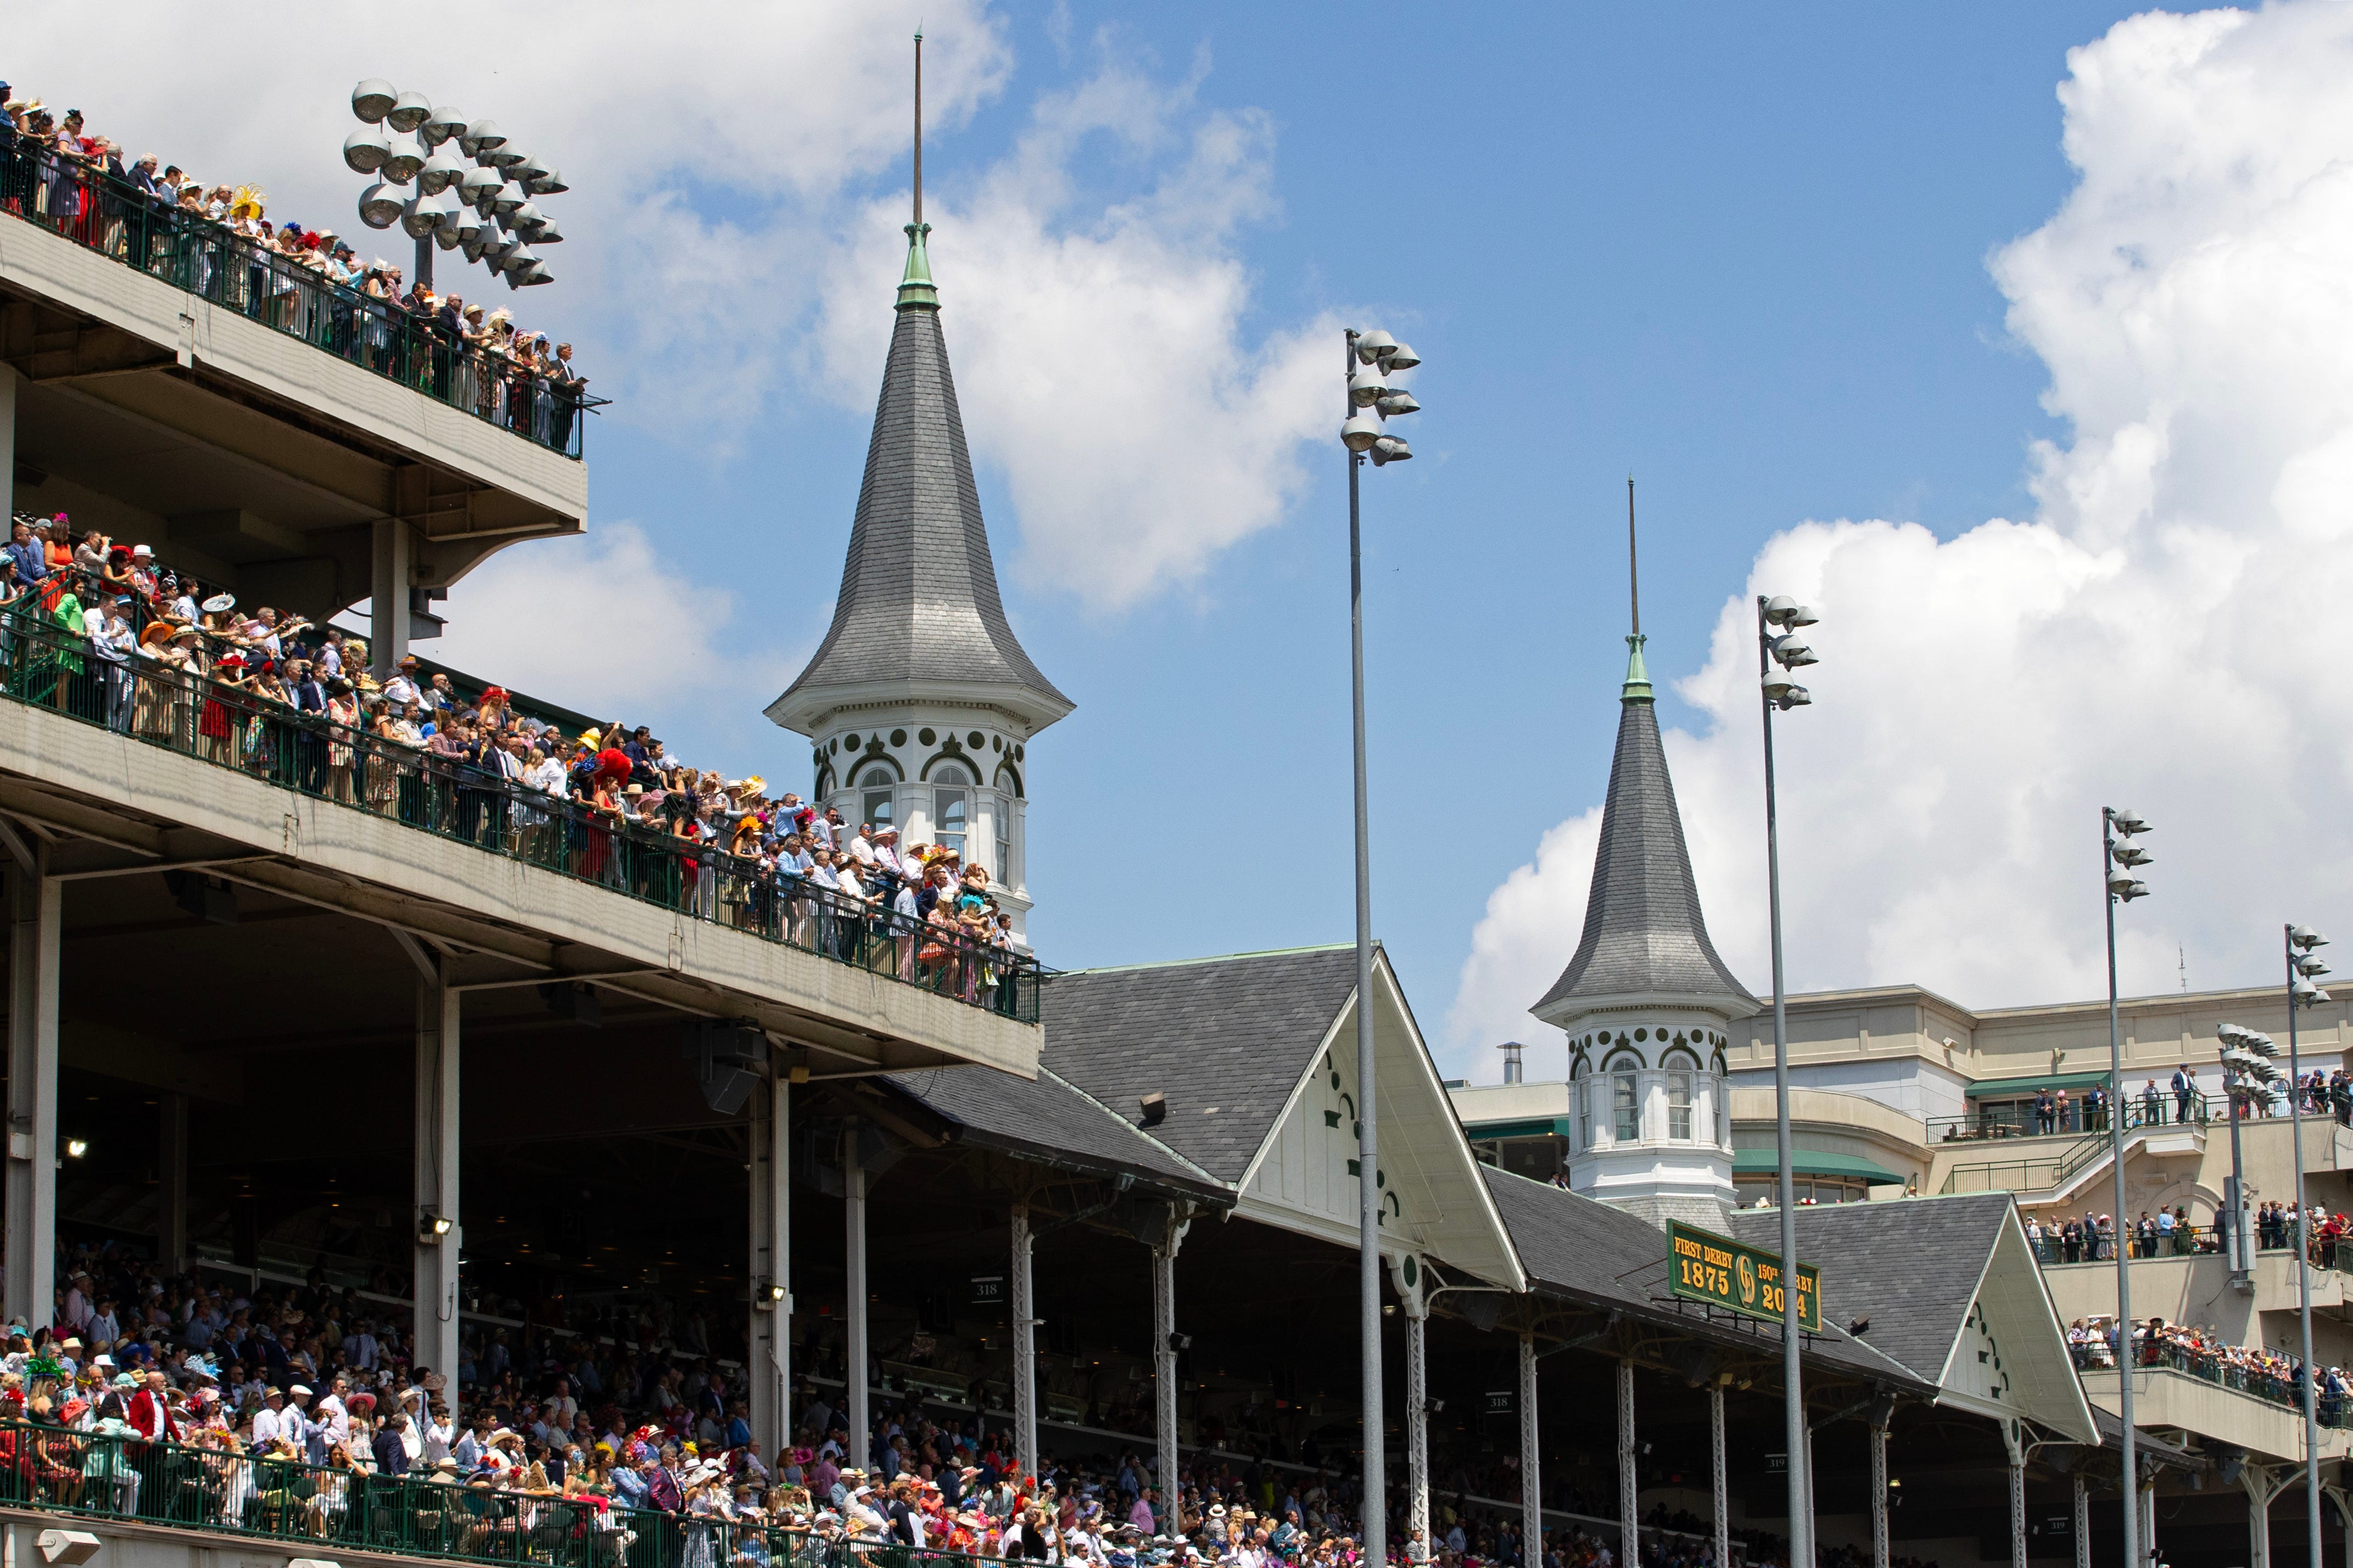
{"points": [[99, 1476], [105, 213], [2271, 1388], [2005, 1119], [234, 728], [2048, 1172]]}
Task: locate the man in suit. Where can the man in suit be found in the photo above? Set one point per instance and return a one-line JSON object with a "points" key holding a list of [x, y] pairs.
{"points": [[303, 689]]}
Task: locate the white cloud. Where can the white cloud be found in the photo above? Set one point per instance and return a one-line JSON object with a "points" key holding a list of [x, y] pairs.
{"points": [[706, 145], [543, 621], [719, 237], [2162, 635], [1101, 355]]}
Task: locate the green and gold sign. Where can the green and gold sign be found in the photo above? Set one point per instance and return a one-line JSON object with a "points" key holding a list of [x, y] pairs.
{"points": [[1721, 1272]]}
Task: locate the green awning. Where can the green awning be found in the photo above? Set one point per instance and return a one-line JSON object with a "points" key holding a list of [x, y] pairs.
{"points": [[1811, 1162], [2027, 1087], [1532, 1127]]}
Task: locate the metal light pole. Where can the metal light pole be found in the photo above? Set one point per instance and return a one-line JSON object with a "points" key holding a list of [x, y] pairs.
{"points": [[2303, 992], [2118, 855], [1371, 356], [1781, 691]]}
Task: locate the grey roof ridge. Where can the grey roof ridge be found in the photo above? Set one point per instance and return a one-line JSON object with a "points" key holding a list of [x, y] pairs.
{"points": [[1830, 1332], [1214, 958], [1044, 1071]]}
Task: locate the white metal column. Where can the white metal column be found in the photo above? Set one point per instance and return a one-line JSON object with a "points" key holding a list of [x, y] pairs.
{"points": [[1629, 1486], [1417, 1420], [2083, 1521], [771, 1266], [2016, 1436], [1722, 1485], [1025, 1346], [1878, 1496], [1164, 1359], [388, 596], [854, 1358], [2256, 1482], [2148, 1515], [434, 1284], [35, 907], [1530, 1457]]}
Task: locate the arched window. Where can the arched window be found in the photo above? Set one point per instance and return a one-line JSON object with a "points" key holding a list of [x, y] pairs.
{"points": [[1683, 1069], [1625, 1096], [1583, 1079], [876, 803], [952, 805]]}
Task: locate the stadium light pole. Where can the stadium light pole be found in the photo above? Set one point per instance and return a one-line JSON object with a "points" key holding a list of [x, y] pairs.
{"points": [[405, 141], [1780, 651], [2304, 967], [1372, 358], [2118, 855]]}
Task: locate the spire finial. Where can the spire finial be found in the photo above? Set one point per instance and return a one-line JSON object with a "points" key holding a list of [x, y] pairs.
{"points": [[916, 283], [919, 127], [1634, 576], [1638, 679]]}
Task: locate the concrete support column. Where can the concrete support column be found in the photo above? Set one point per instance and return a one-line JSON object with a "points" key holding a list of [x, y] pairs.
{"points": [[1718, 1477], [1025, 1345], [2083, 1521], [1630, 1488], [1531, 1456], [2013, 1439], [388, 596], [1164, 1359], [1417, 1418], [8, 379], [434, 1283], [172, 1182], [1878, 1496], [770, 1270], [853, 1317], [36, 905]]}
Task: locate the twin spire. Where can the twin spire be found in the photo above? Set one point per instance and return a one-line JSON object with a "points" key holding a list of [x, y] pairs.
{"points": [[1645, 942], [918, 619]]}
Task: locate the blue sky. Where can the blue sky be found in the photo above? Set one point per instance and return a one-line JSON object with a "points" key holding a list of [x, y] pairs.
{"points": [[1739, 254], [1824, 279]]}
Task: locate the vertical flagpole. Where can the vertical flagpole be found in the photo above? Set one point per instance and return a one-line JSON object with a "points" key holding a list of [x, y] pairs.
{"points": [[1634, 576]]}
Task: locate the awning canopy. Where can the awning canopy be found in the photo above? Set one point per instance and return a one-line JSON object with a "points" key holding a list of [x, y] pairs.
{"points": [[2027, 1087], [1527, 1127], [1811, 1162]]}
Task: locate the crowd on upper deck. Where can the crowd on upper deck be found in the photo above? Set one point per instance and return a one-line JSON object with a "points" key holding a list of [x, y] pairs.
{"points": [[122, 640], [301, 279]]}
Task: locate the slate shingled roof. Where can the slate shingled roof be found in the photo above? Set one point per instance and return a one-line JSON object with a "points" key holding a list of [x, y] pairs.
{"points": [[918, 601], [1582, 1250], [1226, 1040], [1643, 932], [1045, 1116], [1912, 1267]]}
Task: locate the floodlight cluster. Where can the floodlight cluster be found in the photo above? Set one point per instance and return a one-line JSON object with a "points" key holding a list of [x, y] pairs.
{"points": [[483, 209]]}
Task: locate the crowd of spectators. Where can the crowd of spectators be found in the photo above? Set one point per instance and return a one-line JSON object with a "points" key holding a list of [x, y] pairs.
{"points": [[2202, 1352], [628, 1422], [99, 628], [218, 240]]}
